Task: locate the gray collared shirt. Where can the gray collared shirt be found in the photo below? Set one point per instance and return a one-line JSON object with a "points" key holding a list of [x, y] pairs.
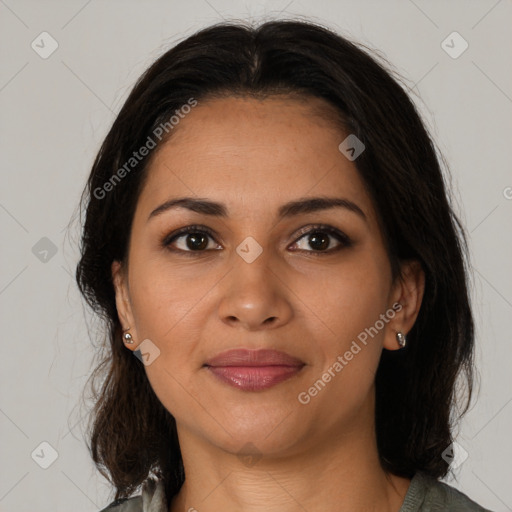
{"points": [[425, 494]]}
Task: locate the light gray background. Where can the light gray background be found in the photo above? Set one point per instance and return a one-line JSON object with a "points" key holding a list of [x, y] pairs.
{"points": [[55, 113]]}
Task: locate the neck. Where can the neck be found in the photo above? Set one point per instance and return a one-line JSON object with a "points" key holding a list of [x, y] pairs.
{"points": [[332, 474]]}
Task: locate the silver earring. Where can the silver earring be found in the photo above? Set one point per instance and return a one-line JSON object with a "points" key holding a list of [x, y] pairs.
{"points": [[402, 340], [127, 337]]}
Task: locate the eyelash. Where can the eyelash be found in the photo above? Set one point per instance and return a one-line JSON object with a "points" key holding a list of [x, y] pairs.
{"points": [[321, 228]]}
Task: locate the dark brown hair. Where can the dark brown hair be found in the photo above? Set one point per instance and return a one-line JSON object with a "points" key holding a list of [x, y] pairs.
{"points": [[132, 434]]}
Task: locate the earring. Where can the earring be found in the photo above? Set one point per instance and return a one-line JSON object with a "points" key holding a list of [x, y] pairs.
{"points": [[402, 340], [127, 337]]}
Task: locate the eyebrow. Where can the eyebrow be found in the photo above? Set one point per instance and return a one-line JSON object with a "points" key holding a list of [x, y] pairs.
{"points": [[293, 208]]}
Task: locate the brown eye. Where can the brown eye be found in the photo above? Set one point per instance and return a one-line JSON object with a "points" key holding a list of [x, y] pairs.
{"points": [[196, 241], [190, 239], [320, 240]]}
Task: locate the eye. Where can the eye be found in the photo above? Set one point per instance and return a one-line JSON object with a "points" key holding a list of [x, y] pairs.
{"points": [[319, 237], [194, 239]]}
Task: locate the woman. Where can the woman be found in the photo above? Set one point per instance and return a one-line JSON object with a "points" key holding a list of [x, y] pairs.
{"points": [[267, 230]]}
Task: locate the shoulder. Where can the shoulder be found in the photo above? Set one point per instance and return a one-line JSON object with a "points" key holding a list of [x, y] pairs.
{"points": [[435, 496], [125, 505], [152, 499]]}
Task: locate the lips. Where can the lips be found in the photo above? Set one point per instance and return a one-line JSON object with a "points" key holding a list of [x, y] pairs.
{"points": [[253, 370], [246, 357]]}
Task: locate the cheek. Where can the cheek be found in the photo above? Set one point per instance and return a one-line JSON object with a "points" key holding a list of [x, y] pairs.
{"points": [[168, 311], [165, 297], [345, 300], [347, 307]]}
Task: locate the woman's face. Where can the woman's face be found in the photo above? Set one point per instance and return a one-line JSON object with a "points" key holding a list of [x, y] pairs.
{"points": [[258, 280]]}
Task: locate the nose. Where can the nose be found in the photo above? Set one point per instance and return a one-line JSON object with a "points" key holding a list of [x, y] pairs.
{"points": [[255, 295]]}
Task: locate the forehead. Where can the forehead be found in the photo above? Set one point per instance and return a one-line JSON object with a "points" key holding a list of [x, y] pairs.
{"points": [[254, 154]]}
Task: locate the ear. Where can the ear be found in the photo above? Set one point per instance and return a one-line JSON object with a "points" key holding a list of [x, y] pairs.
{"points": [[123, 304], [408, 292]]}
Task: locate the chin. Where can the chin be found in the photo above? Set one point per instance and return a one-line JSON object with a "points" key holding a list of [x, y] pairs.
{"points": [[265, 429]]}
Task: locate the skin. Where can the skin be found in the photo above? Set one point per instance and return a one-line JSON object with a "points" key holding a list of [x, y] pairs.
{"points": [[253, 156]]}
